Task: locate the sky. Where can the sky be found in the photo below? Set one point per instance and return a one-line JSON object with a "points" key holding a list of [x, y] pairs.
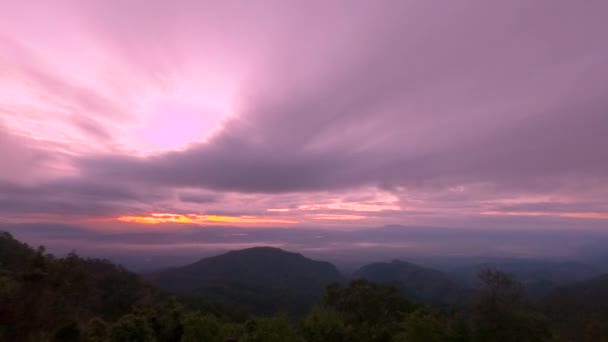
{"points": [[165, 116]]}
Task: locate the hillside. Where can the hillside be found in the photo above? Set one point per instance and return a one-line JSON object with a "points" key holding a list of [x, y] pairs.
{"points": [[48, 298], [261, 279], [13, 254], [580, 307], [414, 281], [539, 277], [40, 292]]}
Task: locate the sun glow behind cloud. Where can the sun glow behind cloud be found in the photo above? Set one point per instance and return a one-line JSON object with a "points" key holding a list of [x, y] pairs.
{"points": [[339, 217], [157, 218], [108, 111], [348, 208], [289, 216], [196, 109]]}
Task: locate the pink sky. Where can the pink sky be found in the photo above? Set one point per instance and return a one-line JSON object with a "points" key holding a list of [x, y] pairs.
{"points": [[341, 114]]}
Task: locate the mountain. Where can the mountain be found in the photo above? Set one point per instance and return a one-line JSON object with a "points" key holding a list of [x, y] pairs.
{"points": [[43, 293], [13, 254], [260, 279], [414, 281], [591, 293], [580, 307], [538, 277]]}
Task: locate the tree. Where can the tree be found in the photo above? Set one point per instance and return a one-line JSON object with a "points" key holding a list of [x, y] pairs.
{"points": [[231, 331], [371, 311], [200, 328], [501, 311], [132, 328], [325, 326], [423, 325], [363, 301], [96, 330], [271, 329]]}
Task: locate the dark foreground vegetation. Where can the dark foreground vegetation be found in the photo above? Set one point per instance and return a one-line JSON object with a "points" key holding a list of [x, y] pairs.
{"points": [[45, 298]]}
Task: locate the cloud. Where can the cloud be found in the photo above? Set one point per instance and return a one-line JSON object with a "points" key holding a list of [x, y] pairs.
{"points": [[28, 67], [198, 197], [469, 100], [78, 199], [449, 108], [24, 160], [16, 158]]}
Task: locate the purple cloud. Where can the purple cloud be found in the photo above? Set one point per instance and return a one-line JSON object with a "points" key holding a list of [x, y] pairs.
{"points": [[418, 112]]}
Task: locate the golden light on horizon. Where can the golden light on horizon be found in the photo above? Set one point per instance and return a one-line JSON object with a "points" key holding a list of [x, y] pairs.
{"points": [[337, 217], [158, 218]]}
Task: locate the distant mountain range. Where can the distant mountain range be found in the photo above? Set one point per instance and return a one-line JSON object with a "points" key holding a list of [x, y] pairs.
{"points": [[415, 282], [259, 279], [582, 305], [592, 292], [538, 276], [265, 280]]}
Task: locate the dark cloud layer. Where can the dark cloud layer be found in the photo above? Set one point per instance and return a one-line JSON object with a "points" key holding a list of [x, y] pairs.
{"points": [[510, 94]]}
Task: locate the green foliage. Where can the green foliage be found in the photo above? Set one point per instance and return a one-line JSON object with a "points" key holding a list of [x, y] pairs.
{"points": [[415, 282], [325, 325], [54, 297], [272, 329], [165, 319], [75, 299], [580, 311], [132, 328], [370, 312], [424, 326], [96, 330], [259, 280], [13, 254], [208, 305], [197, 327], [501, 312], [258, 300], [366, 302], [231, 331]]}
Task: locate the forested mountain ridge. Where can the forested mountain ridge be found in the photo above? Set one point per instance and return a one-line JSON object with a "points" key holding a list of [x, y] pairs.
{"points": [[13, 254], [260, 279], [39, 292], [261, 266], [45, 298], [538, 276], [584, 305], [415, 282]]}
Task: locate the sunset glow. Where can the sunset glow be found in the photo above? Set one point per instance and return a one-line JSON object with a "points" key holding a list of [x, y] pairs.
{"points": [[303, 115], [248, 159], [157, 218], [339, 217]]}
